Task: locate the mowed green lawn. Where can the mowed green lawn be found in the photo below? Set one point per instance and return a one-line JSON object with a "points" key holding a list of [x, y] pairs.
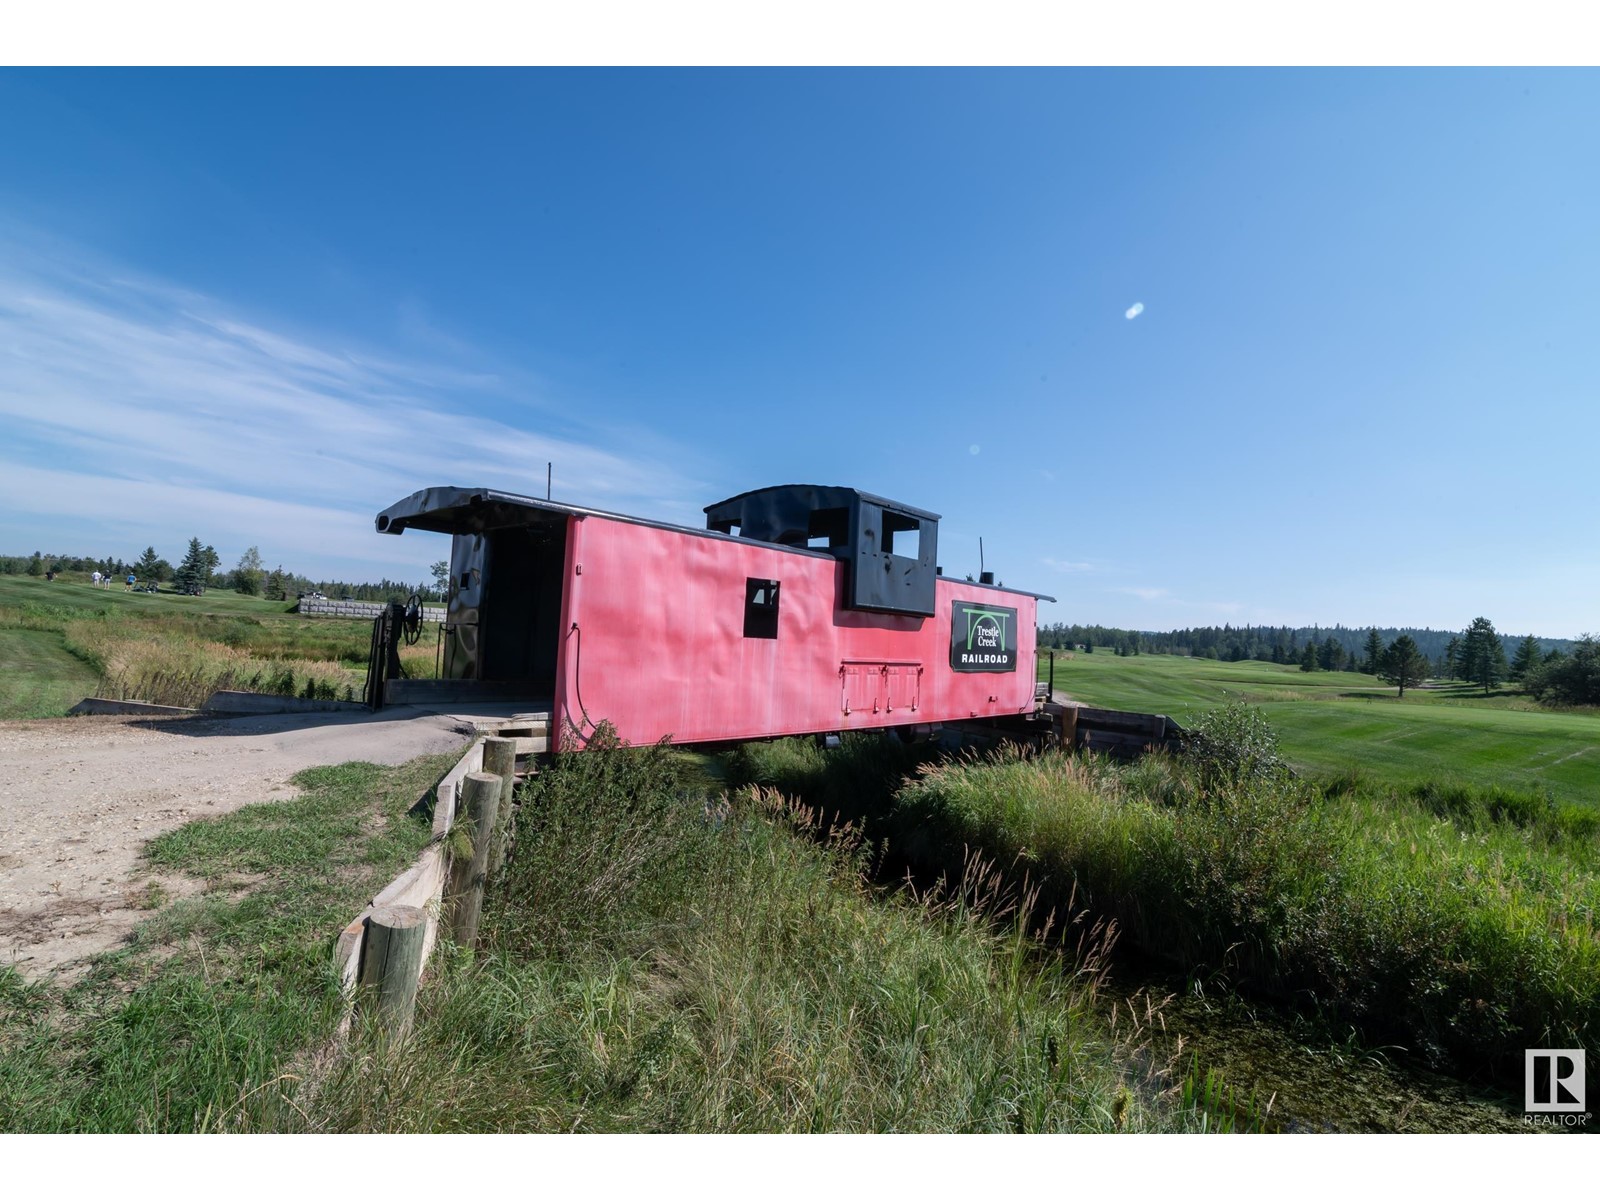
{"points": [[1330, 720], [40, 678], [73, 592]]}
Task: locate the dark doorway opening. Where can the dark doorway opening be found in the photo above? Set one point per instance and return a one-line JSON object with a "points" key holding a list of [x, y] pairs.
{"points": [[521, 614]]}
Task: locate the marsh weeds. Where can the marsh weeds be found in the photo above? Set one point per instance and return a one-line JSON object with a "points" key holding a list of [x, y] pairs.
{"points": [[663, 957]]}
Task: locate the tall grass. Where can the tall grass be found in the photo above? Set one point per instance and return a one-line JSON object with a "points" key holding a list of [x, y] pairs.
{"points": [[183, 658], [1467, 945], [662, 959], [1457, 920]]}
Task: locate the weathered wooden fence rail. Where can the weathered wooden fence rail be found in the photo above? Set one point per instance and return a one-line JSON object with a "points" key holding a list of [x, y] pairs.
{"points": [[1109, 731], [422, 888], [363, 609]]}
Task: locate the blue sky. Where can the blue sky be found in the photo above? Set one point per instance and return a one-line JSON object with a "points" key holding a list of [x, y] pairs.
{"points": [[257, 307]]}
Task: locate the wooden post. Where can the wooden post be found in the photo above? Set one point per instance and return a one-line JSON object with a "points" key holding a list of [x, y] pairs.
{"points": [[480, 801], [1069, 727], [391, 965], [500, 758]]}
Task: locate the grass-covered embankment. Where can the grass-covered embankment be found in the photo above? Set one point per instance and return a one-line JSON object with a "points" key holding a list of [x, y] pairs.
{"points": [[197, 1024], [662, 959], [1458, 921], [659, 958]]}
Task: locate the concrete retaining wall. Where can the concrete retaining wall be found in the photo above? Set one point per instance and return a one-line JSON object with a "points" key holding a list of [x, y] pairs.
{"points": [[361, 609], [94, 706], [252, 703], [222, 704]]}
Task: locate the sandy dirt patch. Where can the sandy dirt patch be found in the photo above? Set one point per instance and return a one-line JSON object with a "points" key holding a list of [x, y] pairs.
{"points": [[81, 796]]}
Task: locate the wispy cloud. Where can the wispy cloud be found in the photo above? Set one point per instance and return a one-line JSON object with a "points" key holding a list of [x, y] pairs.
{"points": [[1068, 568], [134, 407], [1146, 593]]}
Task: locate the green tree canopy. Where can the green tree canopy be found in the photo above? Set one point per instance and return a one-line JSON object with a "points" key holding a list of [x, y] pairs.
{"points": [[193, 571], [1374, 649], [1482, 657], [1568, 678], [149, 564], [1330, 655], [1527, 657], [1403, 664], [248, 575]]}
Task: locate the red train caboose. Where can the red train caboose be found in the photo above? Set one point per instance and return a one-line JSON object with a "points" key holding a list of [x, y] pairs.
{"points": [[798, 609]]}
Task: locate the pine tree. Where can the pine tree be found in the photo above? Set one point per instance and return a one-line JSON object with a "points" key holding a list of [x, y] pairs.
{"points": [[1308, 659], [149, 564], [1330, 655], [1374, 652], [1403, 664], [1482, 657], [36, 565], [1527, 657], [1452, 659], [192, 571]]}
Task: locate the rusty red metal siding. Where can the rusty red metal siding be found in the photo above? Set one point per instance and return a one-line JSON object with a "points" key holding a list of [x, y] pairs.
{"points": [[659, 646]]}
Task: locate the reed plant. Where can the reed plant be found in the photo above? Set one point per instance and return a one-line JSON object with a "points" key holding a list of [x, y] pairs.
{"points": [[1466, 936], [182, 658]]}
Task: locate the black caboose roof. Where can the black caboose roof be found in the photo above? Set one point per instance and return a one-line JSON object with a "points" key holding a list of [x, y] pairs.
{"points": [[803, 518]]}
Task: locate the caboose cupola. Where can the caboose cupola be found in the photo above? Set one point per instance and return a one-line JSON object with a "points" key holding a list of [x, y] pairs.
{"points": [[890, 549]]}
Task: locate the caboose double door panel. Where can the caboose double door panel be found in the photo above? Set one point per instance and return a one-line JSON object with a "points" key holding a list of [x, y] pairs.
{"points": [[870, 687]]}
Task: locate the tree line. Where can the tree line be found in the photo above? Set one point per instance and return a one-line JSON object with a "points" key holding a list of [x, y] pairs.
{"points": [[200, 567], [1264, 643], [1552, 670]]}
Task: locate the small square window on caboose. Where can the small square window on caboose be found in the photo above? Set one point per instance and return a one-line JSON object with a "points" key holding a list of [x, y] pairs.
{"points": [[761, 608]]}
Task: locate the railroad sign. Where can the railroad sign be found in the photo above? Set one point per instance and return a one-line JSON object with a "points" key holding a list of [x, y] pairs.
{"points": [[983, 637]]}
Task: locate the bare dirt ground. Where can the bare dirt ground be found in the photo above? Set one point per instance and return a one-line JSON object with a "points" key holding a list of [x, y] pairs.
{"points": [[80, 797]]}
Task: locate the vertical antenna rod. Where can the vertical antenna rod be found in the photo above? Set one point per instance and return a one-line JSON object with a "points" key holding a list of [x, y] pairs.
{"points": [[549, 473]]}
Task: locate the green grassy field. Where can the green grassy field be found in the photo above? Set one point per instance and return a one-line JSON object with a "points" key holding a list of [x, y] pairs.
{"points": [[1329, 721], [66, 639], [73, 593], [41, 679]]}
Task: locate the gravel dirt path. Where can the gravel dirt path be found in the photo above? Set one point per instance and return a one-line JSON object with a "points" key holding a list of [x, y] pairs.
{"points": [[81, 796]]}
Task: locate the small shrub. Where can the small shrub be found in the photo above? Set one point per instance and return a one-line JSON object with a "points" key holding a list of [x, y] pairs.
{"points": [[1234, 745], [601, 836]]}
